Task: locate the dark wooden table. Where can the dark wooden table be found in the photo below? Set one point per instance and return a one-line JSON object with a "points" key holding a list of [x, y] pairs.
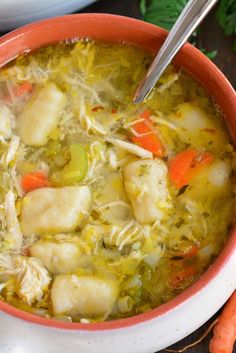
{"points": [[211, 37]]}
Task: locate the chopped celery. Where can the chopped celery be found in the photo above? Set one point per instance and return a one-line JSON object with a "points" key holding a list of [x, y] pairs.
{"points": [[75, 170]]}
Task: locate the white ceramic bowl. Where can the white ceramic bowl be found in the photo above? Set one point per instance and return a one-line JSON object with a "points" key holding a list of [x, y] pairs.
{"points": [[21, 332], [15, 13]]}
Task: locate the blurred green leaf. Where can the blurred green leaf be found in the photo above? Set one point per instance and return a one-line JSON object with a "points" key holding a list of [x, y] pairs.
{"points": [[211, 54], [162, 13], [226, 16]]}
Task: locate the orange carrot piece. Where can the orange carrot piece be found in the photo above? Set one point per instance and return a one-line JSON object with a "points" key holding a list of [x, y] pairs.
{"points": [[150, 143], [145, 114], [181, 276], [144, 126], [32, 181], [24, 88], [191, 252], [19, 91], [114, 111], [147, 139], [224, 333], [186, 164], [180, 165]]}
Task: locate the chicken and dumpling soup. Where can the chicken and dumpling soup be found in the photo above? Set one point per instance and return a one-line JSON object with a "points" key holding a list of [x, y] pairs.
{"points": [[108, 209]]}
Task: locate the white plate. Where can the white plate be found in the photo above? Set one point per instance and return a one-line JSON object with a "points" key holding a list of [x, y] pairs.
{"points": [[15, 13]]}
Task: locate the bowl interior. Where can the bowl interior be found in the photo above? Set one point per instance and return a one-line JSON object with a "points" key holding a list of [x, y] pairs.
{"points": [[150, 37]]}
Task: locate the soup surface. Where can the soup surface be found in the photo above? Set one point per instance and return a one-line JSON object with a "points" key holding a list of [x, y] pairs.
{"points": [[108, 209]]}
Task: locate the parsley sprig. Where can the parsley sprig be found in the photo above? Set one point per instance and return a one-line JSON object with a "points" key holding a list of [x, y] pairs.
{"points": [[164, 13], [226, 15]]}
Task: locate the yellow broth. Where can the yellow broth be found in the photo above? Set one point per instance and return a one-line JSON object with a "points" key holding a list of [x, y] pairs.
{"points": [[95, 224]]}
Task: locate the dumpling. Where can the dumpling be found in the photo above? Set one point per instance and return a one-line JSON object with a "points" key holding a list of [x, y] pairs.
{"points": [[49, 210], [86, 296], [146, 186], [112, 200], [190, 118], [219, 173], [41, 115], [57, 257]]}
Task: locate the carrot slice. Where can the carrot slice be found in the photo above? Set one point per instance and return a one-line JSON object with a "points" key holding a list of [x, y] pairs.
{"points": [[145, 114], [181, 276], [180, 165], [19, 91], [187, 164], [147, 139], [24, 88], [32, 181], [191, 252], [224, 333]]}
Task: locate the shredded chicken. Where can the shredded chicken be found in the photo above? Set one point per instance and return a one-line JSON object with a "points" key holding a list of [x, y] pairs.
{"points": [[130, 147], [10, 154], [169, 83], [32, 279], [13, 235]]}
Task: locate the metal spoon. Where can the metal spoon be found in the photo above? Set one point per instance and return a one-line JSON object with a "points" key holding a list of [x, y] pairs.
{"points": [[193, 13]]}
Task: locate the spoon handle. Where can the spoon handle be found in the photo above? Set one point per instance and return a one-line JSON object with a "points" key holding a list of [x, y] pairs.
{"points": [[193, 13]]}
